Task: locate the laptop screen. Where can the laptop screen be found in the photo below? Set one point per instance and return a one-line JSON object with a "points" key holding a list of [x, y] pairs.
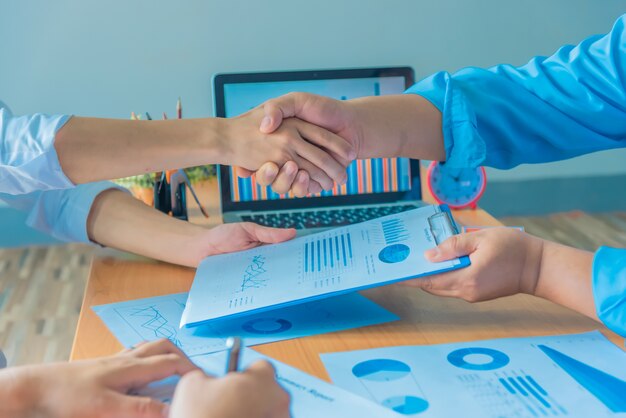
{"points": [[380, 175]]}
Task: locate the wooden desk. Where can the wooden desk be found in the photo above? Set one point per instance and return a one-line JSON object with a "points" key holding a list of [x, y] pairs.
{"points": [[425, 319]]}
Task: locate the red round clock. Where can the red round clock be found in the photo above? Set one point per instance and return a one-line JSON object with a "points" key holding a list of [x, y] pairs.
{"points": [[456, 187]]}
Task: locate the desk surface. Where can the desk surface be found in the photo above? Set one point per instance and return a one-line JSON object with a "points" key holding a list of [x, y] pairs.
{"points": [[425, 319]]}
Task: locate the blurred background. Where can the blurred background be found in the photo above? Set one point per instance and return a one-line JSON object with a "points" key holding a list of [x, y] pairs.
{"points": [[109, 58]]}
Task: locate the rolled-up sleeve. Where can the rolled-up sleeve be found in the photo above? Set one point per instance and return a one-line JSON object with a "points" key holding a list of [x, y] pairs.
{"points": [[62, 214], [553, 108], [609, 287], [28, 159]]}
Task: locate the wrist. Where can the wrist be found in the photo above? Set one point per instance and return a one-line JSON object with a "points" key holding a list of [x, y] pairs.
{"points": [[531, 272], [216, 140]]}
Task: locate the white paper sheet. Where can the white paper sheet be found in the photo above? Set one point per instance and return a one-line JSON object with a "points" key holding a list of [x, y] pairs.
{"points": [[581, 375], [368, 254]]}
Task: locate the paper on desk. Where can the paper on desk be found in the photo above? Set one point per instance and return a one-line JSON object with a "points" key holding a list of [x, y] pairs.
{"points": [[341, 260], [149, 319], [310, 396], [580, 375]]}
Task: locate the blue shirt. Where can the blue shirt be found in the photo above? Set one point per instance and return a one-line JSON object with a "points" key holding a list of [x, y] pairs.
{"points": [[31, 178], [552, 108]]}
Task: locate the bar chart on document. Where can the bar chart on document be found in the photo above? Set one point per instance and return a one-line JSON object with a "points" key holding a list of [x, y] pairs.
{"points": [[325, 259], [338, 260]]}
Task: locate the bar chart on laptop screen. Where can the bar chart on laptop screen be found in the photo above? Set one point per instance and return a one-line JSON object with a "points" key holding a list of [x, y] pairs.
{"points": [[378, 175]]}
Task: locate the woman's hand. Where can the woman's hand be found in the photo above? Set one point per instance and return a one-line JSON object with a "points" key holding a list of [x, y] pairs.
{"points": [[322, 154], [201, 396], [96, 388], [504, 262], [228, 238]]}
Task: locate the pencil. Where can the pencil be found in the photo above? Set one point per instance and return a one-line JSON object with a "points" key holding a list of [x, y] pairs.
{"points": [[148, 116], [179, 109]]}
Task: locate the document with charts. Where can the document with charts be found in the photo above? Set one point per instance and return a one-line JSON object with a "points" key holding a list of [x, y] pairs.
{"points": [[341, 260]]}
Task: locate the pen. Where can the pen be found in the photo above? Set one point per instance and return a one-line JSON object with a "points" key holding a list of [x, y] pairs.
{"points": [[233, 344], [148, 116], [179, 109]]}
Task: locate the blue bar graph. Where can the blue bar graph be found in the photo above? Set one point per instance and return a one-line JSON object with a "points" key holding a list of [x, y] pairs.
{"points": [[327, 254], [395, 231]]}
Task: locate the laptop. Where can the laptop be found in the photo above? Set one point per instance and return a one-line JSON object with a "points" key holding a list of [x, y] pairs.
{"points": [[375, 187]]}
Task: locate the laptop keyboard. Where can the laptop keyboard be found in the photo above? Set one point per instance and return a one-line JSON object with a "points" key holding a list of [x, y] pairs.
{"points": [[324, 218]]}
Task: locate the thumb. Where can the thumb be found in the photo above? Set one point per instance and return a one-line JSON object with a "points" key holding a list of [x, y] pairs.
{"points": [[453, 247], [274, 114], [267, 235], [125, 406], [280, 108]]}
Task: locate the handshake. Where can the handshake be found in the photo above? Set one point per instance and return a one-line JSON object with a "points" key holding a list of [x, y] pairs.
{"points": [[303, 143], [300, 143]]}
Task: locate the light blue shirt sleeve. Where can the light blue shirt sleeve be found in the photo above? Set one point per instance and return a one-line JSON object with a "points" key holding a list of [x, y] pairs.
{"points": [[28, 159], [60, 213], [552, 108]]}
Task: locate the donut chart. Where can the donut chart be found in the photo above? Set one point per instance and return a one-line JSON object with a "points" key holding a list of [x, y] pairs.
{"points": [[478, 358], [266, 326]]}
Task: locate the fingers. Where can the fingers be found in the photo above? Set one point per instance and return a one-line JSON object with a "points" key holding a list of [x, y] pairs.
{"points": [[285, 178], [315, 173], [322, 158], [327, 140], [243, 172], [441, 285], [163, 346], [124, 406], [300, 187], [453, 247], [263, 371], [267, 235], [153, 361], [267, 173]]}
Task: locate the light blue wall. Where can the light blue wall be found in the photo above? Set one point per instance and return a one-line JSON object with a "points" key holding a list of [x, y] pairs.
{"points": [[107, 58]]}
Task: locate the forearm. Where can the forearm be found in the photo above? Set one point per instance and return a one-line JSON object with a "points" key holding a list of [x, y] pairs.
{"points": [[16, 394], [120, 221], [565, 278], [405, 125], [91, 149]]}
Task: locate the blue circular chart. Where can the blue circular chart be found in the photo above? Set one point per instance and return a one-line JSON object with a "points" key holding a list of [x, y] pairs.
{"points": [[381, 370], [394, 253], [406, 405], [478, 358], [267, 326]]}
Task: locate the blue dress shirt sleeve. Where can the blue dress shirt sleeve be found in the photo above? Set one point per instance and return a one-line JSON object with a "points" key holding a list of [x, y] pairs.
{"points": [[552, 108], [28, 159], [60, 213], [609, 287]]}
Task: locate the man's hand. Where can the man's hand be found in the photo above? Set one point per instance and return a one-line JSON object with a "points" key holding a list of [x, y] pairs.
{"points": [[334, 115], [93, 388], [405, 125], [504, 262], [319, 152], [201, 396]]}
